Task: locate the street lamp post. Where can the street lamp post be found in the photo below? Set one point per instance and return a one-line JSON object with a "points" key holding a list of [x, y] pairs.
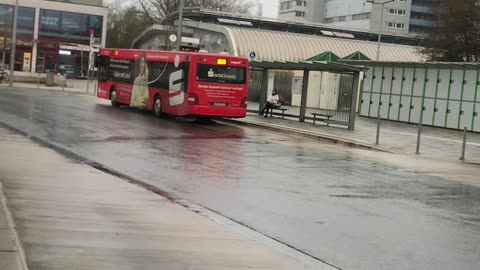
{"points": [[180, 20], [381, 24], [382, 11], [14, 42]]}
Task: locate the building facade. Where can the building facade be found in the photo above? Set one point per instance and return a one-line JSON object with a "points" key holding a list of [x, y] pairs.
{"points": [[401, 17], [53, 35], [302, 10]]}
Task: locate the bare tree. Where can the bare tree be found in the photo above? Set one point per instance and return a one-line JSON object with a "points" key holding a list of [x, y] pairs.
{"points": [[157, 10], [455, 37], [125, 23]]}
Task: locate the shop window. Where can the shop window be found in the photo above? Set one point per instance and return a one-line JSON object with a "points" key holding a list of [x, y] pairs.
{"points": [[26, 17], [6, 15], [93, 22], [49, 20], [71, 22]]}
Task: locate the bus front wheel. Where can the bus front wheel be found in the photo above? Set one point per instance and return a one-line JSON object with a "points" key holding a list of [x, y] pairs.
{"points": [[113, 98], [157, 106]]}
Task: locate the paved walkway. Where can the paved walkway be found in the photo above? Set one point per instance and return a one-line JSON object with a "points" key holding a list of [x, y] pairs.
{"points": [[71, 216], [76, 86], [9, 251], [436, 143]]}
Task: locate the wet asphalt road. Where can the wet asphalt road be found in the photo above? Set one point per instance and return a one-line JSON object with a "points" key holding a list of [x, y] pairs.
{"points": [[343, 206]]}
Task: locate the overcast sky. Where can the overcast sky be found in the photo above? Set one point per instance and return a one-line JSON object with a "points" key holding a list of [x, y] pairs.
{"points": [[270, 8]]}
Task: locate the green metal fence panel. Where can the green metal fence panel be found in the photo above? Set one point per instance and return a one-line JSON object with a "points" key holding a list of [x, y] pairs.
{"points": [[377, 92], [437, 86], [476, 118], [374, 79], [475, 104], [400, 91], [366, 92], [457, 84], [466, 115], [470, 86], [448, 109], [419, 83], [429, 112], [424, 89], [385, 93], [461, 113], [374, 107], [431, 87], [412, 105]]}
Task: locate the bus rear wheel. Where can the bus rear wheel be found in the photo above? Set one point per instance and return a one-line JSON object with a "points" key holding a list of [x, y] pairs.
{"points": [[113, 98], [157, 106]]}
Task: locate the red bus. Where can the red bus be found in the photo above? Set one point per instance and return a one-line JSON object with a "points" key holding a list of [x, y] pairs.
{"points": [[174, 83]]}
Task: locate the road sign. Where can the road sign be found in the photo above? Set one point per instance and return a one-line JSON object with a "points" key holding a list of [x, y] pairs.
{"points": [[252, 55]]}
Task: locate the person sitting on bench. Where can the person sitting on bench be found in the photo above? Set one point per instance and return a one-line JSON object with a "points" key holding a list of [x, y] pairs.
{"points": [[272, 100]]}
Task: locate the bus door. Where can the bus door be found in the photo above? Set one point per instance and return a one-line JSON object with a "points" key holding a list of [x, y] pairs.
{"points": [[102, 64], [170, 82]]}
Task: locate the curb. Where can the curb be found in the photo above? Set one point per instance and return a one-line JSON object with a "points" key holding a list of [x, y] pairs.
{"points": [[67, 90], [13, 228], [310, 135]]}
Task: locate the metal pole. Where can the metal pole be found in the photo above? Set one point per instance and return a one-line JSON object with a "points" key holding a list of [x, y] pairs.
{"points": [[464, 145], [377, 142], [81, 62], [180, 20], [419, 135], [380, 33], [14, 42]]}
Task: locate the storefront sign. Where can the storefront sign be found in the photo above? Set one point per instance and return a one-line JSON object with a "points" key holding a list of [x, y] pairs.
{"points": [[52, 21], [27, 57], [78, 47], [64, 52]]}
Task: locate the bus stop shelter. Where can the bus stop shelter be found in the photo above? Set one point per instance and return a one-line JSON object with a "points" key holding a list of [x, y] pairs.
{"points": [[348, 95]]}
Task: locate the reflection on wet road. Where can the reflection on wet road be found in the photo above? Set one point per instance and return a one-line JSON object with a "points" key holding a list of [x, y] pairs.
{"points": [[351, 208]]}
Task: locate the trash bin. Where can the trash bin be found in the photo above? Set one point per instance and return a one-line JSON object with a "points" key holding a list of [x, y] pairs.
{"points": [[50, 78]]}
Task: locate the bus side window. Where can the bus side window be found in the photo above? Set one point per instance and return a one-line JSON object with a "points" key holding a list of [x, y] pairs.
{"points": [[159, 74], [103, 63]]}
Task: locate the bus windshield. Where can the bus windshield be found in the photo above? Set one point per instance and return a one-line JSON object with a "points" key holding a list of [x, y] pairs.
{"points": [[220, 74]]}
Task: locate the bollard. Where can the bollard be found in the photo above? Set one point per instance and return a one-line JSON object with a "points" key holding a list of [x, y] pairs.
{"points": [[88, 85], [64, 82], [38, 81], [464, 145], [377, 142], [419, 135]]}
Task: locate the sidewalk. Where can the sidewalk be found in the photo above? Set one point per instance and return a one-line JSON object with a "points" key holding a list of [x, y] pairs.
{"points": [[74, 86], [72, 216], [436, 143], [9, 251]]}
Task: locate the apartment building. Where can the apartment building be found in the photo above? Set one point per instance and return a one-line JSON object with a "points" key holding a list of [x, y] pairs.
{"points": [[400, 17], [52, 35]]}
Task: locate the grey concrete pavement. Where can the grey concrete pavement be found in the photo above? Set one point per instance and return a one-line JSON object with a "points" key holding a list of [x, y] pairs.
{"points": [[436, 143], [73, 86], [10, 258], [71, 216], [352, 208]]}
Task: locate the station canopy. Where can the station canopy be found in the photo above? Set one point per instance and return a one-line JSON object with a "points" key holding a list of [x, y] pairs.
{"points": [[325, 56], [356, 56], [307, 65]]}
